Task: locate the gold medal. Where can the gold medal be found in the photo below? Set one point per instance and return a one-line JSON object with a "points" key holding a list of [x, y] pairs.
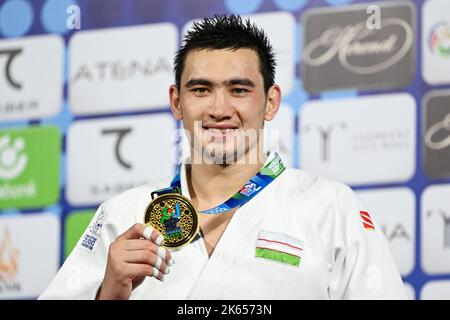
{"points": [[174, 216]]}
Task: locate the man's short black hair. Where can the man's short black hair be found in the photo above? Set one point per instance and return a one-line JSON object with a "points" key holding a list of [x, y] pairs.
{"points": [[228, 32]]}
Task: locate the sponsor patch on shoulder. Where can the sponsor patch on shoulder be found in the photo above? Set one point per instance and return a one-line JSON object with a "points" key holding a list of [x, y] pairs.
{"points": [[366, 220], [93, 233]]}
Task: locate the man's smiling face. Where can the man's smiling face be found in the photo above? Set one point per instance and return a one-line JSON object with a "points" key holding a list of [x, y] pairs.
{"points": [[222, 93]]}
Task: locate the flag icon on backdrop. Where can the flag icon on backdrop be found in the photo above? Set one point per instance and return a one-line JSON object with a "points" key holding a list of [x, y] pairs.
{"points": [[367, 220]]}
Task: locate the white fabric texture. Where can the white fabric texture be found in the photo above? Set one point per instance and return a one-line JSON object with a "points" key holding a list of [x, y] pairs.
{"points": [[340, 258]]}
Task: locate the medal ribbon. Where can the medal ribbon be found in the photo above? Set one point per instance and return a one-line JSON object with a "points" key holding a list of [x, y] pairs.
{"points": [[254, 186]]}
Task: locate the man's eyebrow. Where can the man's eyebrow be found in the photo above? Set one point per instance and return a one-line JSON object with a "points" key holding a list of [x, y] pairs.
{"points": [[197, 82], [205, 82], [242, 81]]}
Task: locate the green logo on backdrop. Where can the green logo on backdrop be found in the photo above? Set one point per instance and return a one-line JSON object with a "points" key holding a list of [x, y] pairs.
{"points": [[29, 167], [74, 227]]}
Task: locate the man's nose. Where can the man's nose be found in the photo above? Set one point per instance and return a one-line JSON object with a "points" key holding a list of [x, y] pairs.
{"points": [[220, 105]]}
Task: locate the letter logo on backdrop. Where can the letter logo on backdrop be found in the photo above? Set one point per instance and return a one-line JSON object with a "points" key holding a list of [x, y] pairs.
{"points": [[107, 76], [11, 54], [121, 132], [345, 49], [325, 135], [361, 140], [436, 135], [435, 228]]}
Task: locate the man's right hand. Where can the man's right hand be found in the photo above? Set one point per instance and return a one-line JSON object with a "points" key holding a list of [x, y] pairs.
{"points": [[134, 255]]}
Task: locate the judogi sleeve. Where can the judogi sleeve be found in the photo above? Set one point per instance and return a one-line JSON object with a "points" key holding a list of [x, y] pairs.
{"points": [[81, 275], [363, 265]]}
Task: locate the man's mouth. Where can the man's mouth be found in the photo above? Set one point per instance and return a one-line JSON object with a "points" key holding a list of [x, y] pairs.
{"points": [[220, 130]]}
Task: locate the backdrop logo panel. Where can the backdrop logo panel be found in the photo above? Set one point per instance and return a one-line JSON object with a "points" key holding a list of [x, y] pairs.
{"points": [[340, 52], [31, 77], [29, 167], [280, 29], [360, 140], [121, 68], [394, 211], [436, 41], [29, 254], [436, 290], [435, 218], [106, 157], [436, 135]]}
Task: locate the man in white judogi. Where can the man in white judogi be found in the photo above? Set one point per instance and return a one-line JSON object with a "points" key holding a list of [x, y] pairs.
{"points": [[299, 237]]}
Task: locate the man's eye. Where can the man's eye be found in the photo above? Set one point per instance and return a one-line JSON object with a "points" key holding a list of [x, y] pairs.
{"points": [[200, 90], [240, 90]]}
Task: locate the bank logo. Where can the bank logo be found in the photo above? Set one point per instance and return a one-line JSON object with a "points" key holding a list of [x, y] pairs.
{"points": [[109, 156], [29, 167], [109, 77], [435, 214], [361, 140], [31, 77], [341, 52], [12, 159], [436, 134]]}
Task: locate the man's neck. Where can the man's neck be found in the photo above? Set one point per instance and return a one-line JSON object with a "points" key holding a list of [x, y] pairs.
{"points": [[213, 184]]}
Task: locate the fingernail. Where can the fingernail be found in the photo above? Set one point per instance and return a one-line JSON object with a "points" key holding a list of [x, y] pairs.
{"points": [[171, 262], [159, 240], [167, 271], [158, 262], [147, 232], [161, 253]]}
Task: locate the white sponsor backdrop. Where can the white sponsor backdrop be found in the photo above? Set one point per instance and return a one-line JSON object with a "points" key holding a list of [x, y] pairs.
{"points": [[105, 86], [394, 211], [122, 68], [109, 156], [362, 140], [30, 254], [31, 65]]}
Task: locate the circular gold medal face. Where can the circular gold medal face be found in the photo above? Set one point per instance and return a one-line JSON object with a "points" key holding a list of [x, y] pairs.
{"points": [[174, 217]]}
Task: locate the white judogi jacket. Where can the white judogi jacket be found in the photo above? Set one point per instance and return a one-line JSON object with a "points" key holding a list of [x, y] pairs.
{"points": [[319, 220]]}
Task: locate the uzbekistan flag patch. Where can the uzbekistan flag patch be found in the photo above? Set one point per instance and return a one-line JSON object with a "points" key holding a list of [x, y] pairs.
{"points": [[367, 220], [279, 247]]}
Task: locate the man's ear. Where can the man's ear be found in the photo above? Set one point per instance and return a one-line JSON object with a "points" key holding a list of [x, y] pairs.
{"points": [[175, 105], [273, 102]]}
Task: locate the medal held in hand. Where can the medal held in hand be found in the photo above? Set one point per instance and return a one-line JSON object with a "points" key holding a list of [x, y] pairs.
{"points": [[174, 216]]}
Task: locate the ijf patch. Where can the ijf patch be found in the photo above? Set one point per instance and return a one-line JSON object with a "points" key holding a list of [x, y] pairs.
{"points": [[93, 232], [279, 247]]}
